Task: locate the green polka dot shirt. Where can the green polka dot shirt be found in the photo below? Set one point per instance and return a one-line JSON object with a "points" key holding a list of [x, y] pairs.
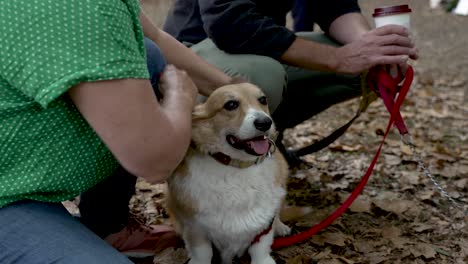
{"points": [[47, 150]]}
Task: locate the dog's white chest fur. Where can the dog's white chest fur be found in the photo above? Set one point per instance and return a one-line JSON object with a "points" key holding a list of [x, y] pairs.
{"points": [[233, 204]]}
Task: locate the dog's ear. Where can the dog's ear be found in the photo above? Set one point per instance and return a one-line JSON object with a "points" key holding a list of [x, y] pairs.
{"points": [[199, 112]]}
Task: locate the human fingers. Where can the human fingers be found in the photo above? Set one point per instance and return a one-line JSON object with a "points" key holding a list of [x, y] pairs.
{"points": [[403, 67], [166, 78], [168, 75], [390, 29], [397, 50], [395, 39], [412, 52], [416, 55], [174, 80], [387, 59]]}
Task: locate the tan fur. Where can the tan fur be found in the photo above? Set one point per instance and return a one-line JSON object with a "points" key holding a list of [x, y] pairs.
{"points": [[283, 171], [209, 119], [178, 201]]}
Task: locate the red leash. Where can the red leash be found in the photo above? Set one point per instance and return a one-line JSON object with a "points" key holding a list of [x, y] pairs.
{"points": [[384, 84]]}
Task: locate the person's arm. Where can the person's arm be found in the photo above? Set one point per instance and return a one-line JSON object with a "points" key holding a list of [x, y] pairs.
{"points": [[386, 45], [349, 28], [206, 76], [147, 138], [240, 27], [363, 49]]}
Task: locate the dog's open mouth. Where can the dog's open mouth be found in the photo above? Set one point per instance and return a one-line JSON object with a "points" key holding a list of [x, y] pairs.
{"points": [[257, 146]]}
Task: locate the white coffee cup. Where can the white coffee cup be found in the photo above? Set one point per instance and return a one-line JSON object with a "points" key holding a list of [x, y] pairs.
{"points": [[395, 15]]}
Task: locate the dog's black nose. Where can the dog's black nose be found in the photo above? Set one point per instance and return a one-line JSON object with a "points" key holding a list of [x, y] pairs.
{"points": [[263, 123]]}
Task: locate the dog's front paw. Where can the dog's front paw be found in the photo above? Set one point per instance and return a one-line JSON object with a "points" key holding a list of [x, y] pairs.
{"points": [[192, 261], [266, 260], [280, 228]]}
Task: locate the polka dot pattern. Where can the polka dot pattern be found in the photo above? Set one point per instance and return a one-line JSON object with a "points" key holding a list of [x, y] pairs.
{"points": [[47, 150]]}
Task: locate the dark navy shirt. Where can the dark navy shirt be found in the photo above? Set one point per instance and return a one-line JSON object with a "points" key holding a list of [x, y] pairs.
{"points": [[248, 26]]}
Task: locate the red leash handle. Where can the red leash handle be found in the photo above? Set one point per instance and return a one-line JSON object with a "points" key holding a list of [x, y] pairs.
{"points": [[388, 88]]}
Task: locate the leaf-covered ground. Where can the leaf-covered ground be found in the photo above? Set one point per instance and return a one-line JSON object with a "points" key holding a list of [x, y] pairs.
{"points": [[400, 216]]}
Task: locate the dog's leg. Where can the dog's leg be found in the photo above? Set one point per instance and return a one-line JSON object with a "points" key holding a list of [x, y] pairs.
{"points": [[227, 257], [260, 251], [280, 228], [198, 246]]}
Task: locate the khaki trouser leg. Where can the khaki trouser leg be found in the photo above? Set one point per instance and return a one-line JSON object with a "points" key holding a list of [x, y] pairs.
{"points": [[265, 72], [310, 92]]}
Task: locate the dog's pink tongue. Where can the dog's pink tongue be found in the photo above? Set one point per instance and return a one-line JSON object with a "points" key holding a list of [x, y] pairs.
{"points": [[259, 146]]}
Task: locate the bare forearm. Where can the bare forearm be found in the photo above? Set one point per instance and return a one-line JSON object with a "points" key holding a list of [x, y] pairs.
{"points": [[362, 49], [310, 55], [349, 27], [161, 154], [315, 56], [206, 76], [146, 139]]}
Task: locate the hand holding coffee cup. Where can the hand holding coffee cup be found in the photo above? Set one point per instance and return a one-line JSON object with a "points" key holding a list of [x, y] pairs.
{"points": [[389, 44], [393, 15]]}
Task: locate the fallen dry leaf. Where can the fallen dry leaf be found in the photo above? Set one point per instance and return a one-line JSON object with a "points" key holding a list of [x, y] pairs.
{"points": [[377, 257], [345, 148], [410, 178], [392, 160], [323, 254], [421, 227], [362, 204], [406, 150], [391, 232], [393, 205], [171, 256], [330, 261], [300, 259], [337, 239], [423, 249]]}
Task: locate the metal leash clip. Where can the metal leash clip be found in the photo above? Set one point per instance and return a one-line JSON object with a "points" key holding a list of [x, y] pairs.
{"points": [[407, 139]]}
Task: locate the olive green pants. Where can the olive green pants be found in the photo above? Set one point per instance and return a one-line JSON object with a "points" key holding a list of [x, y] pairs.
{"points": [[294, 94]]}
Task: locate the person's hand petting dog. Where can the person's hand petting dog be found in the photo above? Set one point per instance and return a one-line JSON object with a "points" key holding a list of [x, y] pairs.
{"points": [[380, 46], [177, 88]]}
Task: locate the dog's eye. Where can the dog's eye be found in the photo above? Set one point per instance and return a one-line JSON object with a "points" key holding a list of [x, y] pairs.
{"points": [[262, 100], [231, 105]]}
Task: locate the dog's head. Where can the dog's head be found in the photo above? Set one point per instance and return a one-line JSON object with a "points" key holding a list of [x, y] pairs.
{"points": [[235, 121]]}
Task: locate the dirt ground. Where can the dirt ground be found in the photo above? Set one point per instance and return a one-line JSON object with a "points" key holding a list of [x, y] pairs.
{"points": [[400, 216]]}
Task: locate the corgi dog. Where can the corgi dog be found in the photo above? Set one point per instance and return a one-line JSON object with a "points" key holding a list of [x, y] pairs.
{"points": [[227, 192]]}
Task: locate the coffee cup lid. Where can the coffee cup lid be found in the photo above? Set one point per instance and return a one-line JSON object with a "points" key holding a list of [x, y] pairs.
{"points": [[391, 10]]}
